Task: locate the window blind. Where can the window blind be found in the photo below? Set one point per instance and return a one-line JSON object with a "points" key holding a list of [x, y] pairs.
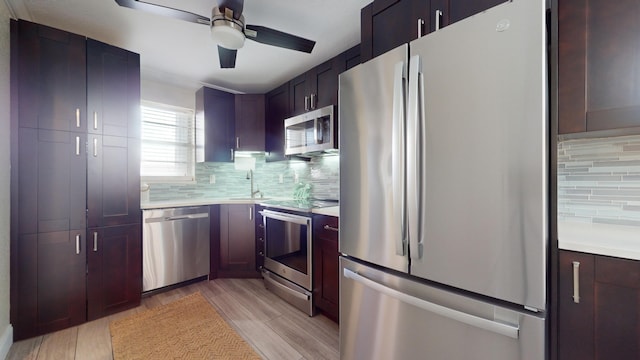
{"points": [[167, 143]]}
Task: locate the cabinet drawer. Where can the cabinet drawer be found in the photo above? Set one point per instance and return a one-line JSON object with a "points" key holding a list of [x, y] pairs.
{"points": [[325, 227]]}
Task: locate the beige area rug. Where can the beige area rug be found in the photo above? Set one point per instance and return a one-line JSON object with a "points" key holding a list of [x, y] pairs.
{"points": [[189, 328]]}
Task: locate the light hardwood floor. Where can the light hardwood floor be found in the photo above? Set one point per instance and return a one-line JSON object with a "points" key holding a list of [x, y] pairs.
{"points": [[275, 329]]}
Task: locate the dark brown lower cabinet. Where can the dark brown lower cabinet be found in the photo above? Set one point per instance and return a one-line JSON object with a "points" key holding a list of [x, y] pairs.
{"points": [[114, 278], [237, 241], [52, 282], [602, 320], [326, 265]]}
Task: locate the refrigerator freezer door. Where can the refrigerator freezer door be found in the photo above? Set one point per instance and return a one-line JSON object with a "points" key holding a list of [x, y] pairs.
{"points": [[371, 112], [481, 129], [384, 316]]}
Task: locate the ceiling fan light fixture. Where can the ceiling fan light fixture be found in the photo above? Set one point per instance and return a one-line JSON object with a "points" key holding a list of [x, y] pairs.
{"points": [[227, 31], [227, 37]]}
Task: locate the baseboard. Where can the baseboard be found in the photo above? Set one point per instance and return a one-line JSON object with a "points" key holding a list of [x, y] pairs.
{"points": [[6, 341]]}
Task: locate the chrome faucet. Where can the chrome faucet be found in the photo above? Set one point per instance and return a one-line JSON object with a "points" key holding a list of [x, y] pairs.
{"points": [[257, 191]]}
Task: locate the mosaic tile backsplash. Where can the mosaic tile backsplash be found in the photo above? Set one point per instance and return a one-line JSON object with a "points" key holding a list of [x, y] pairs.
{"points": [[599, 180], [322, 173]]}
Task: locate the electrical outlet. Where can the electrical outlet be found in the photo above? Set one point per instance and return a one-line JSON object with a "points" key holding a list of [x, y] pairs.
{"points": [[280, 178], [212, 179]]}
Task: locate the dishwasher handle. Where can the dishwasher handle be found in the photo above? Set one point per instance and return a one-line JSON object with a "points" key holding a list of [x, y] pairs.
{"points": [[176, 217]]}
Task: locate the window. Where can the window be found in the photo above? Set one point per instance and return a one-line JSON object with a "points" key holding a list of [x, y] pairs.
{"points": [[168, 143]]}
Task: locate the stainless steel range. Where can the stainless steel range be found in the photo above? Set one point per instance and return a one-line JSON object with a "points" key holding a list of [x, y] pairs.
{"points": [[288, 268]]}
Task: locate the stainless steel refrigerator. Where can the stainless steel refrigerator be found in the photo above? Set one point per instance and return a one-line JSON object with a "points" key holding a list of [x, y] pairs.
{"points": [[444, 194]]}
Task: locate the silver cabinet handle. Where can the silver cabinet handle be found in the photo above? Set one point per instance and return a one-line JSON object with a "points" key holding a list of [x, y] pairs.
{"points": [[78, 244], [95, 241], [576, 282], [306, 103], [77, 117], [420, 24], [95, 120], [438, 17], [313, 101], [327, 227], [232, 154], [78, 145], [238, 142], [95, 147], [398, 159], [465, 318], [251, 213]]}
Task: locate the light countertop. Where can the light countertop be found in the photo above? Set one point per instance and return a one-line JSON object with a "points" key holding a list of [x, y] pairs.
{"points": [[331, 211], [601, 239]]}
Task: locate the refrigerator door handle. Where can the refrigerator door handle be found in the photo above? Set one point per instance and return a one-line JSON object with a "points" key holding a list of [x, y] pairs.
{"points": [[398, 157], [472, 320], [414, 162]]}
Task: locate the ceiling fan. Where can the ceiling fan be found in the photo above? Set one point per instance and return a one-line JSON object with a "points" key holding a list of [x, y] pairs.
{"points": [[228, 28]]}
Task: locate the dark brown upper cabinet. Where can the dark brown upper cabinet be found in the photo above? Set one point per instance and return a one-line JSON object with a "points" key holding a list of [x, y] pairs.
{"points": [[277, 109], [249, 122], [387, 24], [215, 113], [52, 73], [113, 88], [598, 65], [228, 123], [315, 88]]}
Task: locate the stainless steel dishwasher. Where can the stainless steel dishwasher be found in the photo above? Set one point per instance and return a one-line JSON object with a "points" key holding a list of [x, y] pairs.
{"points": [[175, 246]]}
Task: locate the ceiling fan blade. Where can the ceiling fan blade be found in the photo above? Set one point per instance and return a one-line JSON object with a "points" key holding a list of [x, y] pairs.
{"points": [[281, 39], [227, 57], [235, 5], [164, 11]]}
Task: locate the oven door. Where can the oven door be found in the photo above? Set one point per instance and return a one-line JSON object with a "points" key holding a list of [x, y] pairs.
{"points": [[287, 245]]}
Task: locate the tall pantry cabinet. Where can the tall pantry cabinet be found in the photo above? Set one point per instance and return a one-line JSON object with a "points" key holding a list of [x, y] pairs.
{"points": [[76, 220]]}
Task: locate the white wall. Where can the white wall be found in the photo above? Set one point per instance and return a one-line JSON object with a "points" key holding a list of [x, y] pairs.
{"points": [[6, 332], [165, 93]]}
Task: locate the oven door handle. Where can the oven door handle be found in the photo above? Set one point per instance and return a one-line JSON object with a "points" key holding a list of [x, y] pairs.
{"points": [[285, 217]]}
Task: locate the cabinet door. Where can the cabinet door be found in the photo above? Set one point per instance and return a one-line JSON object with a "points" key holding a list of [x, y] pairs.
{"points": [[113, 181], [598, 65], [249, 122], [277, 109], [237, 240], [51, 181], [324, 84], [114, 262], [113, 90], [617, 308], [351, 58], [326, 265], [51, 282], [576, 316], [215, 113], [395, 22], [299, 95], [52, 73]]}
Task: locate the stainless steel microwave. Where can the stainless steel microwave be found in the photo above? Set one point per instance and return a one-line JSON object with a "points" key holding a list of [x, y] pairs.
{"points": [[311, 133]]}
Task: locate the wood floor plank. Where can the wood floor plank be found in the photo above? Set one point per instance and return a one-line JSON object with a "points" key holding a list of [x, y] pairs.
{"points": [[302, 339], [60, 345], [270, 344], [94, 340], [26, 349]]}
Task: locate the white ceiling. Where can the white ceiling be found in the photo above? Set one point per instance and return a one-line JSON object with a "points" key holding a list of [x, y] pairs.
{"points": [[182, 53]]}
